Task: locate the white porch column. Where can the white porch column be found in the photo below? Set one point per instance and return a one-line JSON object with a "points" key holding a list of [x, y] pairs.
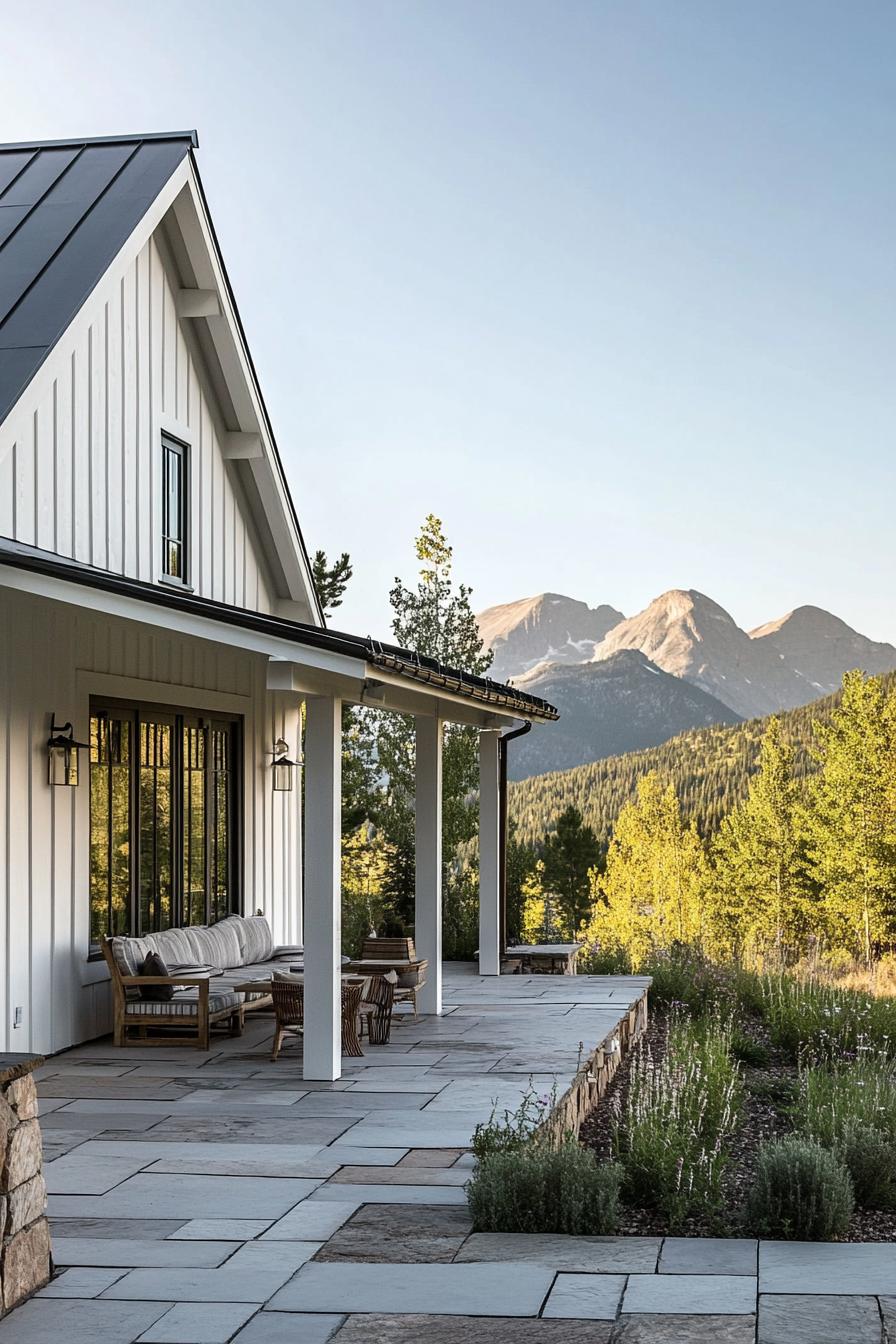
{"points": [[428, 844], [322, 1050], [489, 856]]}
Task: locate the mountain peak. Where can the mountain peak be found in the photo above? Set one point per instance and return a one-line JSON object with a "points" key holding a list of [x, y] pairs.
{"points": [[549, 627], [821, 647]]}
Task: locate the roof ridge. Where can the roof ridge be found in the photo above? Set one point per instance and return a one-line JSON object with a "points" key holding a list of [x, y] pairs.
{"points": [[18, 146]]}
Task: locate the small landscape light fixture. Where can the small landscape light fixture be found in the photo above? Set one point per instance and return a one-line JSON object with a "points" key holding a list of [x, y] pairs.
{"points": [[62, 750], [283, 767]]}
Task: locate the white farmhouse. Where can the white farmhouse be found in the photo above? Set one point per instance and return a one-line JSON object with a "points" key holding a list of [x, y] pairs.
{"points": [[156, 605]]}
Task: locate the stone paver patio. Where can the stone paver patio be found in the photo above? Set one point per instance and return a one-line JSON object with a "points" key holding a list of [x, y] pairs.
{"points": [[198, 1199]]}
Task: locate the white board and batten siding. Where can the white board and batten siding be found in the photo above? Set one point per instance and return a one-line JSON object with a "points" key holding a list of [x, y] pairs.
{"points": [[80, 459], [60, 656]]}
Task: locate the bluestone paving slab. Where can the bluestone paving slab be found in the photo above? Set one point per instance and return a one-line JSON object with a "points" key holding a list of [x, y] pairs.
{"points": [[827, 1267], [591, 1255], [220, 1128], [390, 1194], [418, 1174], [354, 1103], [817, 1318], [81, 1282], [274, 1255], [161, 1196], [399, 1234], [347, 1153], [293, 1327], [220, 1229], [198, 1285], [691, 1294], [44, 1319], [415, 1329], [590, 1297], [646, 1329], [709, 1255], [148, 1229], [888, 1312], [476, 1290], [80, 1174], [311, 1222], [134, 1252], [198, 1323], [436, 1129]]}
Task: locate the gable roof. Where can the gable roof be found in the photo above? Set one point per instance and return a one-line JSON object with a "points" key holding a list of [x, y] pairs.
{"points": [[67, 207]]}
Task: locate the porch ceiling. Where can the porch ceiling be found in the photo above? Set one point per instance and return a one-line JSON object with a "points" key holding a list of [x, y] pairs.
{"points": [[304, 659]]}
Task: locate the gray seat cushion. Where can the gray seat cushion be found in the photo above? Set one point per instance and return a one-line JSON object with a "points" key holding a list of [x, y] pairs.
{"points": [[185, 1004]]}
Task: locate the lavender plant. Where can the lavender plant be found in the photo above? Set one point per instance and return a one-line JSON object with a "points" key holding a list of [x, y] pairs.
{"points": [[672, 1132]]}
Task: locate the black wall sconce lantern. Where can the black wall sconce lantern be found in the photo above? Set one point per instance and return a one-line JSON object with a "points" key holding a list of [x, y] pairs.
{"points": [[62, 750], [283, 767]]}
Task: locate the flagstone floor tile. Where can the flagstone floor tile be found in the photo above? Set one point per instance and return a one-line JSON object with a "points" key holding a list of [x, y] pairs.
{"points": [[479, 1290], [709, 1255], [390, 1194], [198, 1285], [134, 1252], [44, 1319], [221, 1229], [591, 1255], [383, 1329], [690, 1294], [81, 1283], [278, 1327], [591, 1297], [827, 1267], [199, 1322], [684, 1329], [159, 1196], [817, 1318], [311, 1222]]}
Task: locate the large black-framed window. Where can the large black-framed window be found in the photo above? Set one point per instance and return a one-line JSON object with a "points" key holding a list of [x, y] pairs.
{"points": [[164, 818], [175, 510]]}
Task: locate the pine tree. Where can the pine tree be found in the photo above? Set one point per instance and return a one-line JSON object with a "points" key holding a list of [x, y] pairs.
{"points": [[436, 619], [569, 855], [761, 891], [851, 817], [330, 580]]}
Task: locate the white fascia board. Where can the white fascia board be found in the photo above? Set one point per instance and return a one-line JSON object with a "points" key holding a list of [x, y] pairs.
{"points": [[225, 332], [128, 608], [91, 309]]}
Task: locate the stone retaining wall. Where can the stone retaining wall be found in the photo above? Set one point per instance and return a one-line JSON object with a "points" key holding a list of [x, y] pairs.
{"points": [[596, 1072], [24, 1233]]}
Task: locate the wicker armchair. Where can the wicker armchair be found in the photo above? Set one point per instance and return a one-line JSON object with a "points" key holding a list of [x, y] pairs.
{"points": [[289, 1011], [379, 997]]}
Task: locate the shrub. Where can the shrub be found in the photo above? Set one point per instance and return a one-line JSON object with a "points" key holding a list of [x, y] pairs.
{"points": [[539, 1188], [801, 1192], [821, 1022], [673, 1131], [515, 1129], [833, 1099], [850, 1108], [870, 1158], [747, 1050], [682, 975], [597, 960]]}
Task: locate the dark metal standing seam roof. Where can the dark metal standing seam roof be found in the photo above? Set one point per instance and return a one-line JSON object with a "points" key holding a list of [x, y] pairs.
{"points": [[66, 209]]}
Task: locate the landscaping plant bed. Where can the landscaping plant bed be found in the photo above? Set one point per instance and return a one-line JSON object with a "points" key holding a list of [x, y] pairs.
{"points": [[700, 1106]]}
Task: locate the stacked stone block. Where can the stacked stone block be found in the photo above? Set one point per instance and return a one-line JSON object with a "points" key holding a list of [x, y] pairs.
{"points": [[25, 1241]]}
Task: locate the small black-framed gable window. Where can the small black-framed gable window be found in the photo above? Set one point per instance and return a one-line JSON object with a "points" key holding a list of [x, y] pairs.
{"points": [[175, 503]]}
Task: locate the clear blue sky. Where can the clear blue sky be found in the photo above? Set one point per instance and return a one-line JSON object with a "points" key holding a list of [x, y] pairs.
{"points": [[610, 287]]}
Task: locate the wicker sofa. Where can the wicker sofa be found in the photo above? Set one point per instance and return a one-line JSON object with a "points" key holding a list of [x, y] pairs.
{"points": [[204, 966]]}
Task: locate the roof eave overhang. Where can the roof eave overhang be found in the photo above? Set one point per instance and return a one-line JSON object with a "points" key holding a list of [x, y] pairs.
{"points": [[306, 662]]}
